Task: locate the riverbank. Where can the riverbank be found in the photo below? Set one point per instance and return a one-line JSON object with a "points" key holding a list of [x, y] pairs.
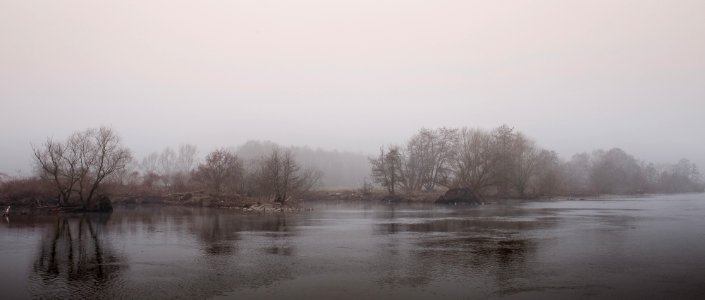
{"points": [[259, 204], [31, 205], [262, 205]]}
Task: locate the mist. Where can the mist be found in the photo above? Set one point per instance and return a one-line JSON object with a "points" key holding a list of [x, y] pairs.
{"points": [[354, 75], [352, 149]]}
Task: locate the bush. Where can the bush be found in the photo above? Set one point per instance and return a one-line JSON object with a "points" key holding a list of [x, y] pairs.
{"points": [[26, 192]]}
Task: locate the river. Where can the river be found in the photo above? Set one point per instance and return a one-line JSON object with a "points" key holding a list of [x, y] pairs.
{"points": [[650, 247]]}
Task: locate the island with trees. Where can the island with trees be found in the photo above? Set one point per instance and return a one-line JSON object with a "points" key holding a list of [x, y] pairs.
{"points": [[504, 163]]}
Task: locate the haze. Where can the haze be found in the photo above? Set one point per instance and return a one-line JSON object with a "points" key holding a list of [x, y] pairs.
{"points": [[354, 75]]}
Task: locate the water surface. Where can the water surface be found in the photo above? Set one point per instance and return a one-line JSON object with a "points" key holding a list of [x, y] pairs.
{"points": [[619, 248]]}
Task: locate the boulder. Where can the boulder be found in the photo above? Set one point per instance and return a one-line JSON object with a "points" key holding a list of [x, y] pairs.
{"points": [[459, 196], [104, 204], [101, 204]]}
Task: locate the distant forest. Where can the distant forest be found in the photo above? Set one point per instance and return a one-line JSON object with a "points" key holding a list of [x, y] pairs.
{"points": [[498, 163], [174, 166]]}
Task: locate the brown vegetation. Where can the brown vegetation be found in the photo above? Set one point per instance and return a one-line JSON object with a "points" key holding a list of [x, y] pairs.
{"points": [[505, 163], [223, 179], [279, 176], [499, 163], [220, 168], [77, 167], [26, 192]]}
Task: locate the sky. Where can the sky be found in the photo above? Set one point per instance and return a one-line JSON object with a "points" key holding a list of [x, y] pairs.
{"points": [[354, 75]]}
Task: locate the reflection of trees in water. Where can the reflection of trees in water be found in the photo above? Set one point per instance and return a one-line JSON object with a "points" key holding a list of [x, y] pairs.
{"points": [[216, 230], [72, 254], [482, 247], [280, 236], [75, 259], [234, 253], [397, 266], [218, 233]]}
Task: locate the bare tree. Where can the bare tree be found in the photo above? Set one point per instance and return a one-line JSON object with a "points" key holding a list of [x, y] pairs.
{"points": [[549, 180], [150, 170], [504, 149], [279, 176], [505, 163], [475, 163], [427, 159], [387, 169], [526, 162], [576, 174], [167, 166], [681, 177], [78, 166], [502, 161], [186, 160], [150, 163], [616, 172], [173, 169], [124, 180], [56, 165], [220, 168]]}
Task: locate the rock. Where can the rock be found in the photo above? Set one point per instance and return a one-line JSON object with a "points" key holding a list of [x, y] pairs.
{"points": [[460, 196], [104, 204], [101, 204]]}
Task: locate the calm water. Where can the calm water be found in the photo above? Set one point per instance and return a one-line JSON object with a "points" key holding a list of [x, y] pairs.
{"points": [[633, 248]]}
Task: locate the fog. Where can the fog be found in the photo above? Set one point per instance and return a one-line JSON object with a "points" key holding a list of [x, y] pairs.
{"points": [[353, 75]]}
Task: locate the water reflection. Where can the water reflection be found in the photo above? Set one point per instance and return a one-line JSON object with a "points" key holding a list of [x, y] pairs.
{"points": [[280, 237], [217, 235], [345, 252], [474, 246], [72, 255]]}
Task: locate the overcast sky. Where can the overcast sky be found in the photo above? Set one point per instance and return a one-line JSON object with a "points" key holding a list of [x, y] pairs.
{"points": [[352, 75]]}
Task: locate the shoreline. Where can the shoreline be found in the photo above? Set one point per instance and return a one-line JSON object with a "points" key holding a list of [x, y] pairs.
{"points": [[260, 205]]}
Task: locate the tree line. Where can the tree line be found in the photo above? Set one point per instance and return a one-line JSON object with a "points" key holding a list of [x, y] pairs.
{"points": [[94, 162], [274, 172], [501, 162], [504, 162]]}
